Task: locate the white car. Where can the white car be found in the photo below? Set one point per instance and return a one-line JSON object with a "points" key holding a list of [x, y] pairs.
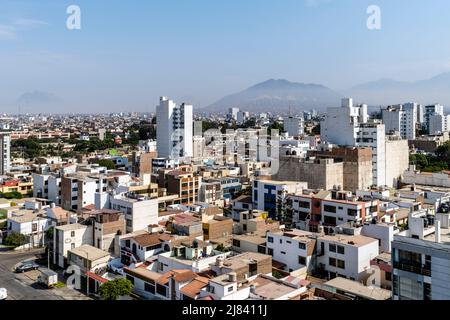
{"points": [[3, 294]]}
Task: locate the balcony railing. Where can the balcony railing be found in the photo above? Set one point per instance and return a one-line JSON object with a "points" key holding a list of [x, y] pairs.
{"points": [[426, 271]]}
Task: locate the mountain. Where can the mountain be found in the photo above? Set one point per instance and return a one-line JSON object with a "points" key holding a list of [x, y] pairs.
{"points": [[37, 98], [279, 95], [388, 91]]}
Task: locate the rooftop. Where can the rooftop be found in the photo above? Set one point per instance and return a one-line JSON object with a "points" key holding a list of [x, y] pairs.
{"points": [[89, 252], [357, 241], [354, 287]]}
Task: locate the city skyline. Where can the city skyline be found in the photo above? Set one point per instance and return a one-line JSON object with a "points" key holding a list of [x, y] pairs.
{"points": [[126, 55]]}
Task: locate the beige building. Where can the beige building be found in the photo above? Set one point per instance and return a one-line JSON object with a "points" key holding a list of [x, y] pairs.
{"points": [[397, 160], [318, 173]]}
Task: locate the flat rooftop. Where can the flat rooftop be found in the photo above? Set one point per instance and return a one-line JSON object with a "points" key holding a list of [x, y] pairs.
{"points": [[357, 241], [356, 288], [89, 252]]}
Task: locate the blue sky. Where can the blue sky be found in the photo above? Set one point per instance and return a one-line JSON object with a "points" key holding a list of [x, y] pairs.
{"points": [[128, 53]]}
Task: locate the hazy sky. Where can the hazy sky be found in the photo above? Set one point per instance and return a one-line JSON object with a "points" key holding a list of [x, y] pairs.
{"points": [[128, 53]]}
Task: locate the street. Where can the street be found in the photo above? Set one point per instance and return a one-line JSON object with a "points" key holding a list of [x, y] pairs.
{"points": [[23, 286]]}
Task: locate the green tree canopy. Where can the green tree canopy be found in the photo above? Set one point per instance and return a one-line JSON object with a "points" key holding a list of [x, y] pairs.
{"points": [[15, 239], [111, 290], [109, 164]]}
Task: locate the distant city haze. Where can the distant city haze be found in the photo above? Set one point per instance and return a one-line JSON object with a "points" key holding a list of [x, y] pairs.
{"points": [[129, 53]]}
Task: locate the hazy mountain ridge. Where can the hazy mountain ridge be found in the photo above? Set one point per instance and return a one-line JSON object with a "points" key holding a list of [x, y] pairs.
{"points": [[279, 95], [389, 91]]}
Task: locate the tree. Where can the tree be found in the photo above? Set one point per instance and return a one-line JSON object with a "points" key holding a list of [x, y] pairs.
{"points": [[12, 195], [109, 164], [15, 239], [111, 290]]}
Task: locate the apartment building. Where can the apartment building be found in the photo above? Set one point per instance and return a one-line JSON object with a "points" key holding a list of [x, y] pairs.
{"points": [[435, 109], [78, 190], [140, 211], [182, 182], [317, 173], [175, 129], [68, 237], [401, 119], [5, 153], [345, 256], [357, 166], [293, 126], [438, 123], [268, 194], [294, 249], [421, 258]]}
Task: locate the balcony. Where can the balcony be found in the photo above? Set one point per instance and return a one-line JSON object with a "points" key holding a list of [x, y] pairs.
{"points": [[423, 270]]}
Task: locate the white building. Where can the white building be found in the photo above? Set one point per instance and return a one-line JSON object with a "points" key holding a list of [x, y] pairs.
{"points": [[293, 126], [233, 114], [5, 153], [267, 193], [401, 119], [346, 256], [349, 126], [421, 259], [438, 123], [29, 224], [140, 212], [68, 237], [431, 110], [174, 129], [293, 248]]}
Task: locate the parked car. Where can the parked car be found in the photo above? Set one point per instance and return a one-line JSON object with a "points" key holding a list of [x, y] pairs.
{"points": [[27, 266], [3, 293]]}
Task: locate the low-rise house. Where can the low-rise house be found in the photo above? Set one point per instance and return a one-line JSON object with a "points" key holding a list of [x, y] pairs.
{"points": [[68, 237], [245, 265], [29, 224], [88, 259], [138, 248]]}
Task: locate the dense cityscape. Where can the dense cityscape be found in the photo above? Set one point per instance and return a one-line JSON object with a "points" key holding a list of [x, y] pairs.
{"points": [[224, 159], [336, 205]]}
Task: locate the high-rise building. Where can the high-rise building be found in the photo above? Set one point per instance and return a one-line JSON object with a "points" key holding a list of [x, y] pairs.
{"points": [[430, 110], [348, 125], [401, 119], [174, 129], [233, 114], [293, 126], [438, 123], [5, 153]]}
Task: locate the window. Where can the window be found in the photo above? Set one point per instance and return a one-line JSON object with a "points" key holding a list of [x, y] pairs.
{"points": [[230, 289], [352, 212], [340, 249], [341, 264], [270, 251], [149, 287], [304, 204], [72, 245], [161, 290], [270, 239], [302, 245], [329, 208], [332, 262], [388, 276], [130, 278], [332, 247], [302, 260], [282, 252], [236, 243], [72, 234]]}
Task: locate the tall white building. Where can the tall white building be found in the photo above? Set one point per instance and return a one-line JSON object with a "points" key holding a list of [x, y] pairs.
{"points": [[438, 123], [431, 110], [293, 126], [174, 129], [401, 119], [233, 114], [5, 153], [348, 125]]}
